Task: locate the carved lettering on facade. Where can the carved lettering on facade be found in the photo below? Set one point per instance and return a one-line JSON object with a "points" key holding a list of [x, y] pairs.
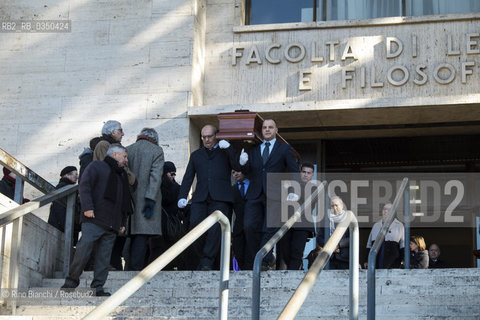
{"points": [[394, 68]]}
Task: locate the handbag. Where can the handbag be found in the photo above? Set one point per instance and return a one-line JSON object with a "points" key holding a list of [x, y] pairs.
{"points": [[172, 227]]}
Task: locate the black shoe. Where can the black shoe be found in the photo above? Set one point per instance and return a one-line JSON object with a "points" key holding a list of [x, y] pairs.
{"points": [[268, 265], [67, 289], [102, 293], [205, 268]]}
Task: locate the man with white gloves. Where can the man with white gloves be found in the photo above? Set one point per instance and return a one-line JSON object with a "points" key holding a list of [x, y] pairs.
{"points": [[212, 164], [262, 209]]}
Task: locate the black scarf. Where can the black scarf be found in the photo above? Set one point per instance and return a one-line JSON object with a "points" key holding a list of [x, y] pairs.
{"points": [[65, 181], [112, 185], [108, 138]]}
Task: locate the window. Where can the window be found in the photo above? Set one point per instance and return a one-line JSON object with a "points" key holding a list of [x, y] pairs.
{"points": [[283, 11]]}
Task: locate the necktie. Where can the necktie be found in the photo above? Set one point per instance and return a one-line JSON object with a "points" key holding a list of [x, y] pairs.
{"points": [[266, 152], [242, 189]]}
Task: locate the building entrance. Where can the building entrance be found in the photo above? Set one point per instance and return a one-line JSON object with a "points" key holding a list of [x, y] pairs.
{"points": [[424, 154]]}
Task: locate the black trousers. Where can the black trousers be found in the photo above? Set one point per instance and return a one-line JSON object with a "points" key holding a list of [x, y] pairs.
{"points": [[253, 221], [206, 249], [239, 239], [290, 250]]}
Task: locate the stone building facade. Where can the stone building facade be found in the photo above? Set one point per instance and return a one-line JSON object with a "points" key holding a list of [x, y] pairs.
{"points": [[174, 65]]}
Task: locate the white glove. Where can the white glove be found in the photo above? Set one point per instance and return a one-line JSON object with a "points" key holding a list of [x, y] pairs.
{"points": [[182, 203], [223, 144], [292, 197], [243, 158]]}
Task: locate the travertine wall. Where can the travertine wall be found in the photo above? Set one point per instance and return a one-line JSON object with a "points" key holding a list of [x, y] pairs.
{"points": [[386, 62], [41, 252], [156, 62], [124, 60]]}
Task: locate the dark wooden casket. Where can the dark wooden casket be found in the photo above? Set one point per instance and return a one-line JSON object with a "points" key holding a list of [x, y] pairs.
{"points": [[243, 129], [241, 125]]}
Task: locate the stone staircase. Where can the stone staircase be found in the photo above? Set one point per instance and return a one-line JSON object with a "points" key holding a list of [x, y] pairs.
{"points": [[401, 295]]}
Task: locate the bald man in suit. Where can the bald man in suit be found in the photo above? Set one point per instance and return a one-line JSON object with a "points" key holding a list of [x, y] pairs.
{"points": [[271, 156], [212, 164]]}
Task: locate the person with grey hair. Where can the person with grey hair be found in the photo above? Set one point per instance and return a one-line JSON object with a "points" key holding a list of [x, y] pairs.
{"points": [[393, 248], [146, 161], [106, 202], [112, 133], [110, 126], [341, 256]]}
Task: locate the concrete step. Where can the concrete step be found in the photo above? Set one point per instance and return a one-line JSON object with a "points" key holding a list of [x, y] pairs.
{"points": [[320, 317], [275, 279], [272, 301], [407, 294], [333, 274], [307, 310]]}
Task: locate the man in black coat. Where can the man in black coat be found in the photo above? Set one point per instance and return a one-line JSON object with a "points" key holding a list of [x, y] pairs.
{"points": [[434, 261], [291, 247], [271, 156], [58, 213], [212, 164], [105, 201]]}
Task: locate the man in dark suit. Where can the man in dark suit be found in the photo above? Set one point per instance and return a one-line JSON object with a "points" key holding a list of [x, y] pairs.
{"points": [[212, 164], [271, 156], [290, 248], [239, 190], [434, 261]]}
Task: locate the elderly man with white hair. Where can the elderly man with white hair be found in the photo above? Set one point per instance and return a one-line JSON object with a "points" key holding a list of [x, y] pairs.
{"points": [[112, 133], [105, 202], [146, 161]]}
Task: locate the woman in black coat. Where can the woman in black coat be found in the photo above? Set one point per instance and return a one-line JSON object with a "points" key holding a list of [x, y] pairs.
{"points": [[170, 190], [57, 216]]}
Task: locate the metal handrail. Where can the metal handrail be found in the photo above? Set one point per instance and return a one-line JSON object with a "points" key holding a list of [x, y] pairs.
{"points": [[269, 245], [158, 264], [25, 173], [28, 207], [299, 296], [15, 214], [372, 256]]}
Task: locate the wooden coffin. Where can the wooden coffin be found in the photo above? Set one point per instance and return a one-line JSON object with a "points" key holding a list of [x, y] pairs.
{"points": [[243, 128], [241, 125]]}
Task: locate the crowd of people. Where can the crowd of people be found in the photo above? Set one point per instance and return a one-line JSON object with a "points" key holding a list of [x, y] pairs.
{"points": [[127, 194]]}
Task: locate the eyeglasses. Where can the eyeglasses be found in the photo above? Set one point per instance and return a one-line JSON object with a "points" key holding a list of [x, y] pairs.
{"points": [[208, 137], [173, 174], [119, 130]]}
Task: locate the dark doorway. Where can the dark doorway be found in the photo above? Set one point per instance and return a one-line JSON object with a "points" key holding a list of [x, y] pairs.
{"points": [[455, 153]]}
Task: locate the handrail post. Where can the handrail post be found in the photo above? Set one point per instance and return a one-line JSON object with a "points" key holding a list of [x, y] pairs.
{"points": [[300, 295], [19, 186], [372, 256], [255, 313], [224, 268], [256, 285], [326, 226], [129, 288], [354, 266], [371, 285], [68, 235], [406, 214]]}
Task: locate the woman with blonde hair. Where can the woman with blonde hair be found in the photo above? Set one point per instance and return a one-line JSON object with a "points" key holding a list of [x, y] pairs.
{"points": [[418, 253]]}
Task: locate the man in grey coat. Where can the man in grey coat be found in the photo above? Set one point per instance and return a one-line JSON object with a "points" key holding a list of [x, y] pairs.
{"points": [[146, 161]]}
